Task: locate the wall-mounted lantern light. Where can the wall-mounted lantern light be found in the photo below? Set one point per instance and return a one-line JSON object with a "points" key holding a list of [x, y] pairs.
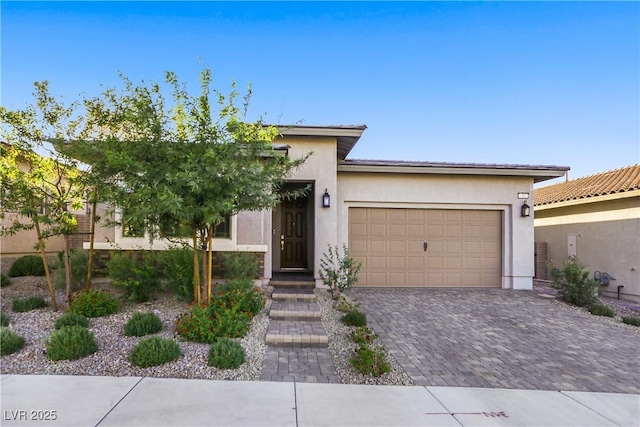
{"points": [[525, 210], [326, 199]]}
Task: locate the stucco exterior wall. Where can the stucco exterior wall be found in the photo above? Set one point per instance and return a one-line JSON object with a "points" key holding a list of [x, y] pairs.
{"points": [[607, 236], [425, 191], [320, 170], [24, 242]]}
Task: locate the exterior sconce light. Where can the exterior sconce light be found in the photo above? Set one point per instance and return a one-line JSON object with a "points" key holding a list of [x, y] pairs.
{"points": [[326, 199], [525, 210]]}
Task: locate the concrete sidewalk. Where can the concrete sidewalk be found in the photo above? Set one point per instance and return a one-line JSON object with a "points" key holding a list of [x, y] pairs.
{"points": [[40, 400]]}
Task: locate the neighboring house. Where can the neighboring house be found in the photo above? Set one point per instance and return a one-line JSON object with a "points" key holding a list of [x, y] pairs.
{"points": [[410, 223], [597, 220]]}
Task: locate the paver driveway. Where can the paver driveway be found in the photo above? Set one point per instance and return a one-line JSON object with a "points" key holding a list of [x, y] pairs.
{"points": [[502, 339]]}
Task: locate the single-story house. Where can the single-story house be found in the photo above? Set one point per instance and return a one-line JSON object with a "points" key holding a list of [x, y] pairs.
{"points": [[597, 220], [410, 223]]}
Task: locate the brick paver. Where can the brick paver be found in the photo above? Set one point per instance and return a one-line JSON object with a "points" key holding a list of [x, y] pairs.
{"points": [[301, 365], [502, 339]]}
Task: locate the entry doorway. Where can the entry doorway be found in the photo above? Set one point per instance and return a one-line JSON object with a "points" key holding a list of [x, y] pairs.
{"points": [[293, 232]]}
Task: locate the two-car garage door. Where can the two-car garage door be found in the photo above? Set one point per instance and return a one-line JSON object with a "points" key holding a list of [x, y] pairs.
{"points": [[426, 247]]}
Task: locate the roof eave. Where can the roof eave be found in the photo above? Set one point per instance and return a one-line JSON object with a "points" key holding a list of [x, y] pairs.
{"points": [[346, 135], [538, 175]]}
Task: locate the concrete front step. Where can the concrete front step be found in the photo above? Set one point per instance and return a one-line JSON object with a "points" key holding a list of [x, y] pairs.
{"points": [[292, 284], [289, 296], [294, 315], [296, 340]]}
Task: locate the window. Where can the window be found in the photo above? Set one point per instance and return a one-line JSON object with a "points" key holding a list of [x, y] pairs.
{"points": [[223, 230]]}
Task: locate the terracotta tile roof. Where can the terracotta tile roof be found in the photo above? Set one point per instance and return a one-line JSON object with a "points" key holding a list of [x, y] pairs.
{"points": [[615, 181]]}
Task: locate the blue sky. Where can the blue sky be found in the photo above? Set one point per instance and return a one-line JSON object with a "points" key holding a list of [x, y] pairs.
{"points": [[488, 82]]}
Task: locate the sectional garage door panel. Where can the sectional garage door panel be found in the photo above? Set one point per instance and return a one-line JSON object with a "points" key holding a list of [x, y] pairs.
{"points": [[463, 247]]}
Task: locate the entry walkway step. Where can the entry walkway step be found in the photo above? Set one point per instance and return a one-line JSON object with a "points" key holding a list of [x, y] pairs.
{"points": [[293, 284], [292, 296], [294, 315], [291, 341]]}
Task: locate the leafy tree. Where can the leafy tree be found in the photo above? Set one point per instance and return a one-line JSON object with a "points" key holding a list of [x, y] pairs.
{"points": [[189, 161], [39, 183]]}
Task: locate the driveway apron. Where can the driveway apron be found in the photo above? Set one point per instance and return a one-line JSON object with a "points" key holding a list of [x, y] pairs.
{"points": [[501, 339]]}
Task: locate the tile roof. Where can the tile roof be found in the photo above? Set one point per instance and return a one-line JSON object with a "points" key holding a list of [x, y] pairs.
{"points": [[611, 182]]}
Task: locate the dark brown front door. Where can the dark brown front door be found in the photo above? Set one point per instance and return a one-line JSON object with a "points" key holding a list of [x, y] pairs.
{"points": [[293, 237]]}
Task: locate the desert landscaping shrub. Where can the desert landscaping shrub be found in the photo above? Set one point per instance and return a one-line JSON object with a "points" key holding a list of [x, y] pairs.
{"points": [[79, 260], [139, 279], [176, 267], [20, 305], [370, 361], [94, 303], [239, 266], [631, 320], [355, 318], [344, 305], [226, 354], [228, 315], [601, 310], [154, 351], [142, 324], [10, 342], [362, 335], [574, 285], [338, 272], [71, 319], [28, 265], [70, 343], [4, 319], [241, 299], [4, 280]]}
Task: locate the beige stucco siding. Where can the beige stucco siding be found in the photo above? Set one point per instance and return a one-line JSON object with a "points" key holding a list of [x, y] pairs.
{"points": [[24, 242], [320, 170], [607, 236], [418, 191]]}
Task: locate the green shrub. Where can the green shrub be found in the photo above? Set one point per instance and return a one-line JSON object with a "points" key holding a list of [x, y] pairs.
{"points": [[205, 324], [631, 320], [369, 361], [10, 342], [601, 310], [70, 343], [71, 319], [4, 280], [362, 335], [239, 265], [176, 266], [28, 265], [226, 354], [27, 304], [154, 351], [143, 324], [4, 319], [355, 318], [574, 285], [235, 284], [93, 303], [239, 299], [338, 272], [197, 325], [79, 260], [138, 278], [344, 305]]}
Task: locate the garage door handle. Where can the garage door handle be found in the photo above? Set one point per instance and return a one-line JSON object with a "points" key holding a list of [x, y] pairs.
{"points": [[424, 245]]}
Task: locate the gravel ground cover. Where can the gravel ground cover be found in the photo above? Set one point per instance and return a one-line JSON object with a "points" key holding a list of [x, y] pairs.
{"points": [[114, 347]]}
